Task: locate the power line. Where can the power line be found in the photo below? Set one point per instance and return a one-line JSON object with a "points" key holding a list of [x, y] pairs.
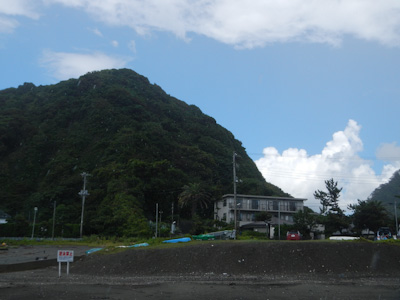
{"points": [[322, 176], [334, 157]]}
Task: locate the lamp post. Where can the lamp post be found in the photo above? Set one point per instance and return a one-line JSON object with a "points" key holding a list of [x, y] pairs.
{"points": [[34, 221]]}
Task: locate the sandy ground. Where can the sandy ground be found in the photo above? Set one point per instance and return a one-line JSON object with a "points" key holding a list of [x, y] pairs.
{"points": [[149, 274]]}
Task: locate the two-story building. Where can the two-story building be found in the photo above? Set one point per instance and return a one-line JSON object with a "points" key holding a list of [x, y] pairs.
{"points": [[282, 210]]}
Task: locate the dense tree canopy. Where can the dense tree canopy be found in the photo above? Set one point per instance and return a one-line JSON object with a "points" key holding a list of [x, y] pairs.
{"points": [[140, 145], [369, 215], [304, 221]]}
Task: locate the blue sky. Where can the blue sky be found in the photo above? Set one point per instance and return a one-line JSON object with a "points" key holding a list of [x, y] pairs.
{"points": [[311, 88]]}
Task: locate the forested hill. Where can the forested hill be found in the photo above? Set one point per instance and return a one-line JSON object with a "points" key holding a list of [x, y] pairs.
{"points": [[388, 193], [140, 146]]}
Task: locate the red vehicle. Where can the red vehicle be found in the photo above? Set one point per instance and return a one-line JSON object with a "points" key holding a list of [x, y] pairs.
{"points": [[293, 235]]}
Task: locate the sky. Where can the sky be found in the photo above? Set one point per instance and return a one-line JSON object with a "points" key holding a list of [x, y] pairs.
{"points": [[310, 87]]}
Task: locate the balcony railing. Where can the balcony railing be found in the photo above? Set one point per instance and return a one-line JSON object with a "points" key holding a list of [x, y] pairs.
{"points": [[264, 207]]}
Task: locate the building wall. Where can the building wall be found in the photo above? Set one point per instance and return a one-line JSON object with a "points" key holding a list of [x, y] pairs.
{"points": [[249, 205]]}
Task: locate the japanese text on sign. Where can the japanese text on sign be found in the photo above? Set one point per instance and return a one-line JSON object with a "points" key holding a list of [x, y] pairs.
{"points": [[65, 256]]}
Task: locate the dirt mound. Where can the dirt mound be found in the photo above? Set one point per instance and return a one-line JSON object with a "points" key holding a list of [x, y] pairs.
{"points": [[249, 258]]}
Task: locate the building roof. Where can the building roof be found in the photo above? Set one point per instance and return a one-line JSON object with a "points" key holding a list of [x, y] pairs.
{"points": [[258, 224], [263, 197]]}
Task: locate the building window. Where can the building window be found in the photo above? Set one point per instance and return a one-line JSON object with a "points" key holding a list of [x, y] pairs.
{"points": [[292, 206], [224, 217], [224, 202], [276, 205], [254, 204]]}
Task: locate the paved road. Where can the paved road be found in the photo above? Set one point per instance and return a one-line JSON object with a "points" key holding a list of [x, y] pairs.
{"points": [[23, 254]]}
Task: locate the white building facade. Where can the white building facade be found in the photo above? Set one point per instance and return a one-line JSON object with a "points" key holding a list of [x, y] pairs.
{"points": [[247, 206]]}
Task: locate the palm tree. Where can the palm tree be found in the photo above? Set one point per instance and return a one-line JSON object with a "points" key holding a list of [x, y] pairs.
{"points": [[194, 195]]}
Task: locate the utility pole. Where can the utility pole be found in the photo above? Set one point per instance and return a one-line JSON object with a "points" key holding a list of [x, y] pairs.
{"points": [[279, 219], [234, 192], [159, 232], [172, 213], [83, 193], [34, 221], [54, 220], [395, 215], [156, 220]]}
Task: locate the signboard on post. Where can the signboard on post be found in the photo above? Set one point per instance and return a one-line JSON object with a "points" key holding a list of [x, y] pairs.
{"points": [[64, 256]]}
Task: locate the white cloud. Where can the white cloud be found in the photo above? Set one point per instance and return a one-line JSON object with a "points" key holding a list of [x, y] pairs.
{"points": [[388, 152], [114, 43], [300, 175], [19, 8], [11, 9], [255, 23], [7, 25], [64, 65], [97, 32], [132, 46]]}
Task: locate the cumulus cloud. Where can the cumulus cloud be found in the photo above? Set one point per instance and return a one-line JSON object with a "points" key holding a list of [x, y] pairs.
{"points": [[63, 65], [301, 174], [255, 23]]}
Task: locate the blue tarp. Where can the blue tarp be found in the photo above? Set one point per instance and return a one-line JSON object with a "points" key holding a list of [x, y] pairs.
{"points": [[181, 240], [139, 245], [90, 251]]}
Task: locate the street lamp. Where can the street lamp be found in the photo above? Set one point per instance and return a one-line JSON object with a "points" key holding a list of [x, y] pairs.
{"points": [[34, 221]]}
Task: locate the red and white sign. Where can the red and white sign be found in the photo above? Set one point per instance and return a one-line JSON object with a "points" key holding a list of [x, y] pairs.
{"points": [[65, 256]]}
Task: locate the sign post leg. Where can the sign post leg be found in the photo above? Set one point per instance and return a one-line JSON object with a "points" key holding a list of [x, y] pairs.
{"points": [[67, 268], [59, 269]]}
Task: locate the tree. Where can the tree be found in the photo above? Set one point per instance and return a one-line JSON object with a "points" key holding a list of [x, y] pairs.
{"points": [[329, 200], [121, 215], [334, 217], [263, 216], [194, 195], [369, 215], [304, 220]]}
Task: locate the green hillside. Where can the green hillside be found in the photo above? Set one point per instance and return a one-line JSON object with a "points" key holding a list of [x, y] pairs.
{"points": [[140, 145], [386, 193]]}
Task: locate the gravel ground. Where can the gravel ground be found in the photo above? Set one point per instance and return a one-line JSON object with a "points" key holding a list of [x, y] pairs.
{"points": [[221, 270]]}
